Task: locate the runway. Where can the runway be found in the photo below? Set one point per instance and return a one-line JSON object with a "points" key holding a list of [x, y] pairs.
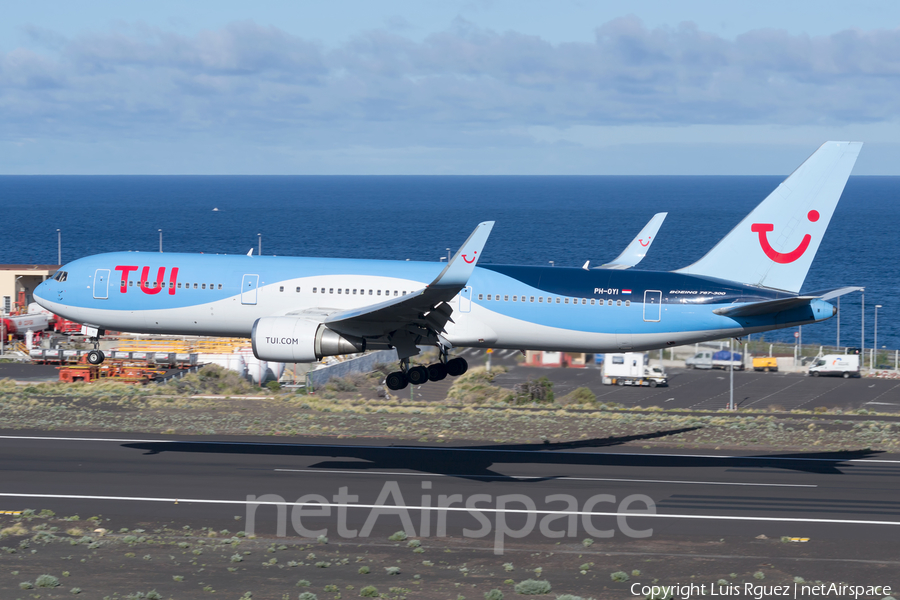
{"points": [[582, 485]]}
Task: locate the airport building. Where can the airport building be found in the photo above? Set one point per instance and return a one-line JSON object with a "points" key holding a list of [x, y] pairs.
{"points": [[17, 282]]}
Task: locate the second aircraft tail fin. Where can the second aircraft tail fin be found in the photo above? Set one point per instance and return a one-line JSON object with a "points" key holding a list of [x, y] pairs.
{"points": [[775, 244]]}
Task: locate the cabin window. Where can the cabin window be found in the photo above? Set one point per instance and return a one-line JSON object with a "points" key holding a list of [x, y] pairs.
{"points": [[514, 298], [481, 296], [195, 286], [179, 286], [557, 300], [609, 303], [315, 290], [566, 301], [532, 298], [298, 290], [370, 292], [593, 301], [171, 284], [489, 296], [379, 292], [347, 291], [628, 303], [354, 291], [203, 286], [506, 298], [122, 283], [618, 303], [404, 292], [330, 290], [130, 283], [540, 298], [395, 293], [584, 301], [339, 290], [280, 288]]}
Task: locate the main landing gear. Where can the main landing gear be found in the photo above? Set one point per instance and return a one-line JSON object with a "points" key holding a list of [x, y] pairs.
{"points": [[419, 375]]}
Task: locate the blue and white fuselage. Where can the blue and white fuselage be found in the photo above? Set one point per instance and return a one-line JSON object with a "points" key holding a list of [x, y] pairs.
{"points": [[512, 307]]}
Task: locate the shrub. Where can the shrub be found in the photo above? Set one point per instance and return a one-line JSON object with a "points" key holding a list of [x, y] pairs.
{"points": [[364, 570], [307, 596], [536, 390], [303, 583], [392, 570], [398, 536], [619, 576], [532, 587], [759, 575], [494, 594], [370, 591], [587, 542], [46, 581], [580, 395]]}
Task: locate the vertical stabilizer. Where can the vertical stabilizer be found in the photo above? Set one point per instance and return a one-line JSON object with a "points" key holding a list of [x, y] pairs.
{"points": [[775, 244]]}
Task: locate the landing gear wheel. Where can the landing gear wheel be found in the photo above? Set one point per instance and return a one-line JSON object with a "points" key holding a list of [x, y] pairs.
{"points": [[457, 366], [437, 371], [95, 357], [396, 380], [417, 375]]}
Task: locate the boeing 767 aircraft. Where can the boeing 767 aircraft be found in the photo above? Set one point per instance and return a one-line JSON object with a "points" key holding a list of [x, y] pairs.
{"points": [[302, 309]]}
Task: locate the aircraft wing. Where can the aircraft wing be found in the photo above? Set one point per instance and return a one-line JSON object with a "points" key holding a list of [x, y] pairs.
{"points": [[426, 309], [639, 246]]}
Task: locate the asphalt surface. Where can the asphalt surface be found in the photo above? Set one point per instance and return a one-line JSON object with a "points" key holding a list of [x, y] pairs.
{"points": [[852, 497], [687, 389]]}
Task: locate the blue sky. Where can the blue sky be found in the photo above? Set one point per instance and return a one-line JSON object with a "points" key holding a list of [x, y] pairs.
{"points": [[418, 87]]}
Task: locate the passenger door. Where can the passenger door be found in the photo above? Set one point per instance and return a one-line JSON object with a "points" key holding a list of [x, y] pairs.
{"points": [[249, 287], [101, 284], [652, 301]]}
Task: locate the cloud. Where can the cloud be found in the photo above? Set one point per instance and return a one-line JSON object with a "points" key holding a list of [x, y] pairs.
{"points": [[459, 86]]}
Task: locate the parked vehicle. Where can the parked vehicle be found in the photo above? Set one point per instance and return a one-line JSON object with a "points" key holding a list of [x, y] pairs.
{"points": [[632, 368], [707, 359], [765, 363], [838, 365]]}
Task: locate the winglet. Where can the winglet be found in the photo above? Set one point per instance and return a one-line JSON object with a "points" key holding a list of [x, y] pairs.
{"points": [[460, 267], [250, 253], [639, 246]]}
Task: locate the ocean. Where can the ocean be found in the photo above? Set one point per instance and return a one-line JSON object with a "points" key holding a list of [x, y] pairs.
{"points": [[563, 219]]}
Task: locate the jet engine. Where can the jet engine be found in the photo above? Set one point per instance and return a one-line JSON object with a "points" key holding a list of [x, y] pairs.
{"points": [[296, 340]]}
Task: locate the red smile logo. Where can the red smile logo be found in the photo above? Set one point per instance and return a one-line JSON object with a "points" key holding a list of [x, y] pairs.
{"points": [[649, 237], [783, 257], [473, 257]]}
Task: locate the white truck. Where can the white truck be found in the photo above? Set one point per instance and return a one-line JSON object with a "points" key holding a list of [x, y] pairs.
{"points": [[839, 365], [632, 368], [708, 359]]}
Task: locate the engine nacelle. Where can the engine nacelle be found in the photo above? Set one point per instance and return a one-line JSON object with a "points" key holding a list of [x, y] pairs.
{"points": [[295, 340]]}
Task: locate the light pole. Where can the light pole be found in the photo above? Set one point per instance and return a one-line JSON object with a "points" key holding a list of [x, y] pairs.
{"points": [[59, 247], [862, 334], [260, 244], [160, 240], [448, 254], [875, 343], [838, 323]]}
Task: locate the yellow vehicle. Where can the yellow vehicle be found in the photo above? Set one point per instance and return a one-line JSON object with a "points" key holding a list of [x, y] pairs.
{"points": [[765, 363]]}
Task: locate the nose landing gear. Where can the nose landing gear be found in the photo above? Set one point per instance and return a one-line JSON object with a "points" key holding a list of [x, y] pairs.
{"points": [[96, 356]]}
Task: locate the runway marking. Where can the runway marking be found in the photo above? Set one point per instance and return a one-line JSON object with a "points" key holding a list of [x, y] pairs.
{"points": [[564, 478], [452, 449], [455, 509]]}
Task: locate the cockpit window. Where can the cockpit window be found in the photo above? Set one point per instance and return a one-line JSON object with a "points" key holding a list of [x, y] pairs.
{"points": [[60, 276]]}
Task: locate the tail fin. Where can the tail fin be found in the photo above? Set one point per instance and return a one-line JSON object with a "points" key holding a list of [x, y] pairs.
{"points": [[775, 244], [638, 248]]}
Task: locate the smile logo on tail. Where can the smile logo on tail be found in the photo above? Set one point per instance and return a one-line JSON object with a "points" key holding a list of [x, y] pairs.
{"points": [[783, 257], [473, 257], [649, 237]]}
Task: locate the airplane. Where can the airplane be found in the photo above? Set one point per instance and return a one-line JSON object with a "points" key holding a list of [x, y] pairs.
{"points": [[303, 309]]}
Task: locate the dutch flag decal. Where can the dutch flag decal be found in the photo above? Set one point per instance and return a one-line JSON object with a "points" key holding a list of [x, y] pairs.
{"points": [[626, 291]]}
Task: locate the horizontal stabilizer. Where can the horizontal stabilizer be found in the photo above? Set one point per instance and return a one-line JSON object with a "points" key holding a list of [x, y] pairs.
{"points": [[754, 309], [639, 246], [834, 293]]}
